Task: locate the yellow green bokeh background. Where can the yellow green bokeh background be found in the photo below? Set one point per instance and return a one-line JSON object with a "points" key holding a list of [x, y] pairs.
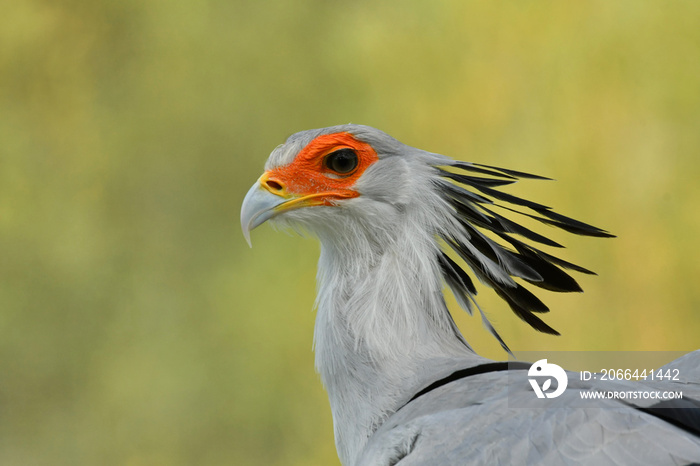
{"points": [[136, 326]]}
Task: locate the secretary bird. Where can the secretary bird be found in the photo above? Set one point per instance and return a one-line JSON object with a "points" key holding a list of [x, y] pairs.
{"points": [[404, 386]]}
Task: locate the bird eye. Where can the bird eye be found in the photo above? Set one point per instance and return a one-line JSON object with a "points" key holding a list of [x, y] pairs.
{"points": [[342, 161]]}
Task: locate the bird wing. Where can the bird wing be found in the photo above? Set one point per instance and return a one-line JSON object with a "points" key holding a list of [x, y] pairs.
{"points": [[482, 419]]}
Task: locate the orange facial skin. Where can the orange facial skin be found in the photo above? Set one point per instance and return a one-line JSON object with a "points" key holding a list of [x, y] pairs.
{"points": [[308, 181]]}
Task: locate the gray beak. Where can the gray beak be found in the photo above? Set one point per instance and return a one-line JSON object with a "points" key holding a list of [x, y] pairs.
{"points": [[258, 207]]}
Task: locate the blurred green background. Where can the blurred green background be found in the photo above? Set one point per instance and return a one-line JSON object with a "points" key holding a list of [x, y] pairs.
{"points": [[137, 328]]}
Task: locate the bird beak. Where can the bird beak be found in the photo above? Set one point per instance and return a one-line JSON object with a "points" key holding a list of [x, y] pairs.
{"points": [[258, 207], [269, 197]]}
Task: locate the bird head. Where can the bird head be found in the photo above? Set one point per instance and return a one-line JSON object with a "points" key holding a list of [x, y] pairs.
{"points": [[336, 180]]}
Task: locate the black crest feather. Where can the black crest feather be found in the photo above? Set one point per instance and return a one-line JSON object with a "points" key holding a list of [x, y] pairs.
{"points": [[475, 200]]}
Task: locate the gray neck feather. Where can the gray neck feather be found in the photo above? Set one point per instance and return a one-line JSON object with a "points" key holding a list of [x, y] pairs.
{"points": [[382, 323]]}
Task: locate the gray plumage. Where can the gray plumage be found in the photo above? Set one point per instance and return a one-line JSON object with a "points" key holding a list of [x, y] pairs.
{"points": [[470, 422], [390, 242]]}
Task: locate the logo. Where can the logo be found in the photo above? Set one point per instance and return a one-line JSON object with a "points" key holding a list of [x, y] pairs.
{"points": [[543, 369]]}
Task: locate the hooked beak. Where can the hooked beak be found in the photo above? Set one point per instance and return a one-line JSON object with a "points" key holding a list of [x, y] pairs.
{"points": [[258, 207], [268, 198]]}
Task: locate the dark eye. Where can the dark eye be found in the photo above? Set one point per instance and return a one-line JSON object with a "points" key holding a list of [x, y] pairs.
{"points": [[342, 161]]}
